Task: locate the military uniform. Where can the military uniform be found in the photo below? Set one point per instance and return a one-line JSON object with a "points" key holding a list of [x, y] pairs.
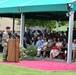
{"points": [[5, 39]]}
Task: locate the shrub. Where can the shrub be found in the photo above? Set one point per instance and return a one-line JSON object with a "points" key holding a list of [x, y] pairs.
{"points": [[31, 50], [22, 53], [28, 53]]}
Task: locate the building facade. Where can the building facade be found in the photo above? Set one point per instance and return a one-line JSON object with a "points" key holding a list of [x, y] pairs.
{"points": [[9, 22]]}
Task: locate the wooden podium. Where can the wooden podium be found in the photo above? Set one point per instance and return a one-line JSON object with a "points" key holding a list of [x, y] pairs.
{"points": [[13, 50]]}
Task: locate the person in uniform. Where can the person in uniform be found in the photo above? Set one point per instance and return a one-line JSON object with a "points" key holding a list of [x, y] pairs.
{"points": [[5, 39]]}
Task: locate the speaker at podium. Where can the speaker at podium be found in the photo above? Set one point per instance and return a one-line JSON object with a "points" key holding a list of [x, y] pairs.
{"points": [[13, 50]]}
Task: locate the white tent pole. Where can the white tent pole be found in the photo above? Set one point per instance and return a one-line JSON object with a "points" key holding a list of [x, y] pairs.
{"points": [[22, 29], [57, 26], [70, 36]]}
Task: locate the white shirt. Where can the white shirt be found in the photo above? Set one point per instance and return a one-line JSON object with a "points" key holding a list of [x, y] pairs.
{"points": [[73, 46]]}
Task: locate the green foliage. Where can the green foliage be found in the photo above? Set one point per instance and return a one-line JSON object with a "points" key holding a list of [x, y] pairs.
{"points": [[22, 53], [28, 53], [49, 24], [35, 22], [31, 50], [45, 23], [62, 23], [74, 23]]}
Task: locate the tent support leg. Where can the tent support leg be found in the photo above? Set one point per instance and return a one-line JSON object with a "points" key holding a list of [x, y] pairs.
{"points": [[70, 36], [22, 29], [13, 23]]}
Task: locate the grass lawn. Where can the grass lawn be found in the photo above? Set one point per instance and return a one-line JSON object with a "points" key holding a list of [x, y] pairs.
{"points": [[6, 69], [0, 57]]}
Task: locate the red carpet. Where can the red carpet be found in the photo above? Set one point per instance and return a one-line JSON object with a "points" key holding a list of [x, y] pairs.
{"points": [[47, 65]]}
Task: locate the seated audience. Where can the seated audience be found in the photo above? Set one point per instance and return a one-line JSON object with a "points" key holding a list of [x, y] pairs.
{"points": [[59, 43], [74, 49], [36, 33], [33, 41], [26, 42], [48, 48], [64, 48], [54, 52], [39, 44]]}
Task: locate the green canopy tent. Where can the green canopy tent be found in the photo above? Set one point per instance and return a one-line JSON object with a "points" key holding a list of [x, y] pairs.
{"points": [[61, 28], [48, 9], [35, 8], [17, 6]]}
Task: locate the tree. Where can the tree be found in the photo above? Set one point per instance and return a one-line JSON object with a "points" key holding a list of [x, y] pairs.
{"points": [[45, 23], [49, 24], [74, 23]]}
